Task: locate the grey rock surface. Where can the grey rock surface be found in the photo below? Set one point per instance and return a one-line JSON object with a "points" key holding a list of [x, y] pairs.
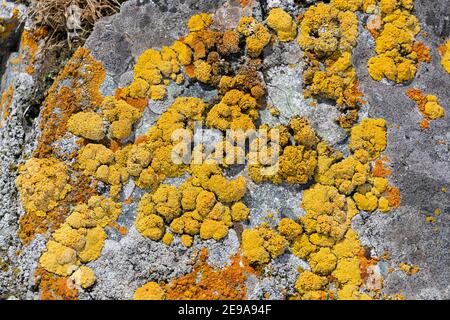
{"points": [[419, 160], [421, 167]]}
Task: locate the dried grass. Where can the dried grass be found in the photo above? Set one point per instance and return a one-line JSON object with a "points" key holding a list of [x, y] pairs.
{"points": [[53, 15]]}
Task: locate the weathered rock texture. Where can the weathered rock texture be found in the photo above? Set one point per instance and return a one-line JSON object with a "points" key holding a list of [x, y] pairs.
{"points": [[420, 159]]}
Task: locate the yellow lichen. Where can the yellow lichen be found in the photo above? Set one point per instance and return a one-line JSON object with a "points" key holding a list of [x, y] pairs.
{"points": [[257, 37], [261, 244], [88, 125], [369, 135], [42, 183], [98, 211], [445, 62], [150, 291], [397, 56], [121, 115], [280, 21], [199, 21], [310, 285], [408, 269], [239, 211], [186, 240], [92, 156], [323, 261], [167, 239], [325, 30], [289, 229], [84, 277], [59, 259]]}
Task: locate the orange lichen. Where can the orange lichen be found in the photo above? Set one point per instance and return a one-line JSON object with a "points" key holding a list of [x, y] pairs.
{"points": [[30, 46], [207, 283], [5, 104], [379, 170], [427, 104], [422, 51], [82, 77], [424, 124], [150, 291], [52, 287], [394, 197]]}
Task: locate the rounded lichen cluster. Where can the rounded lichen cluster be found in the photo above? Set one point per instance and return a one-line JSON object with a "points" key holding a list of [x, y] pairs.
{"points": [[323, 236], [206, 204], [328, 33], [150, 291], [280, 21], [277, 157], [445, 62], [326, 29], [42, 183], [428, 104], [88, 125], [261, 244], [396, 58], [80, 239], [257, 37], [149, 160]]}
